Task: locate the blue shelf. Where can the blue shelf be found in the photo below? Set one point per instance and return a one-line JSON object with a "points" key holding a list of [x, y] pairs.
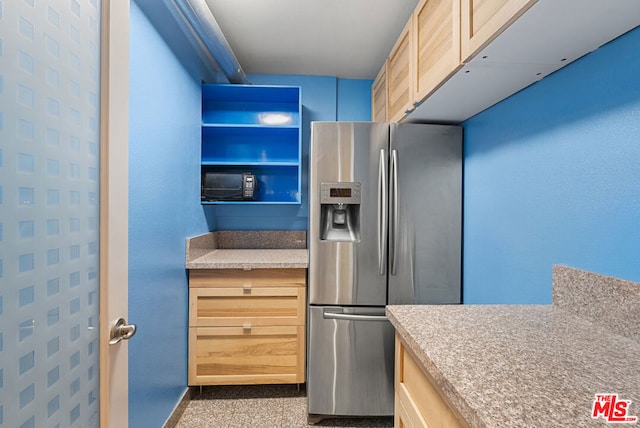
{"points": [[240, 126], [252, 93], [250, 144], [240, 163], [249, 203], [234, 114], [247, 128], [251, 105]]}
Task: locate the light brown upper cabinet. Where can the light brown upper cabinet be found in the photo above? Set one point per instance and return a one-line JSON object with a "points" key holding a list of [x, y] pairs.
{"points": [[379, 96], [399, 76], [487, 50], [484, 20], [436, 30]]}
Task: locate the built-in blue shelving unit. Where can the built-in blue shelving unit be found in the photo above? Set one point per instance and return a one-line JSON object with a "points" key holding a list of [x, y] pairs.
{"points": [[256, 129]]}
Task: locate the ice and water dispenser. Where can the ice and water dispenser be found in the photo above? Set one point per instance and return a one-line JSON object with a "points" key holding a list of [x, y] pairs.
{"points": [[340, 212]]}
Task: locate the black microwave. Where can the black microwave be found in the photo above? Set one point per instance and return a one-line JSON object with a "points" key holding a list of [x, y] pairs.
{"points": [[228, 186]]}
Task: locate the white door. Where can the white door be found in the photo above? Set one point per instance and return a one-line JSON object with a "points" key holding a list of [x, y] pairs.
{"points": [[114, 211], [63, 212]]}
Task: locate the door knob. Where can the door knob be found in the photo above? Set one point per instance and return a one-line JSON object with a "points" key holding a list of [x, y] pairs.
{"points": [[121, 331]]}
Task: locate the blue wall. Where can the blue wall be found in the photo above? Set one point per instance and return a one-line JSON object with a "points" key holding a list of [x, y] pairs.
{"points": [[323, 98], [354, 100], [164, 205], [164, 209], [552, 175]]}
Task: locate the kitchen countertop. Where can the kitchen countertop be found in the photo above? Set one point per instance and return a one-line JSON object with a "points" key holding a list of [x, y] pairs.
{"points": [[247, 250], [524, 365], [251, 259]]}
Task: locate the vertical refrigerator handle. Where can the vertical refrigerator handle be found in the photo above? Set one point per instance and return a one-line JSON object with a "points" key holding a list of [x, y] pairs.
{"points": [[382, 212], [393, 214]]}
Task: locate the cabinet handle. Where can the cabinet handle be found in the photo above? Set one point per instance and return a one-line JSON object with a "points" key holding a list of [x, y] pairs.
{"points": [[353, 317], [393, 214], [246, 288], [246, 327], [382, 212]]}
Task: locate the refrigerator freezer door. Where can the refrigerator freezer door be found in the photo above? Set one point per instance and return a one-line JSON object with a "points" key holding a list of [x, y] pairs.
{"points": [[351, 366], [425, 210], [351, 272]]}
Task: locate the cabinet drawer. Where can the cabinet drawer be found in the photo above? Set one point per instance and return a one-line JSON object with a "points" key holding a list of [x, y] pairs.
{"points": [[250, 278], [237, 355], [406, 416], [246, 306], [420, 401]]}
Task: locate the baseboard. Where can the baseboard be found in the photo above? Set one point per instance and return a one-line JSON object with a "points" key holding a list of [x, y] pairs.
{"points": [[175, 416]]}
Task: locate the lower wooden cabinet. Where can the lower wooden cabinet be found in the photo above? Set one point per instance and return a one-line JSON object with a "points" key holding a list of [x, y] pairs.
{"points": [[418, 402], [247, 327]]}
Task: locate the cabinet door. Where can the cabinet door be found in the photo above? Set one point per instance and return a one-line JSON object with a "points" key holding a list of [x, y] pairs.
{"points": [[436, 30], [237, 355], [483, 20], [236, 306], [420, 403], [399, 72], [379, 96]]}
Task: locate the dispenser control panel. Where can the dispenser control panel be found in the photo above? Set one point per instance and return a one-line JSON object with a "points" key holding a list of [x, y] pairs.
{"points": [[340, 193]]}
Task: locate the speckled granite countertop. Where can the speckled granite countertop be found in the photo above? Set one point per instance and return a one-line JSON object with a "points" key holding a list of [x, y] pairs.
{"points": [[524, 365], [251, 259], [248, 250]]}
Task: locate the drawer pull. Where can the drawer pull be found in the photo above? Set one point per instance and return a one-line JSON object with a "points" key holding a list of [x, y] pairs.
{"points": [[246, 288], [246, 327]]}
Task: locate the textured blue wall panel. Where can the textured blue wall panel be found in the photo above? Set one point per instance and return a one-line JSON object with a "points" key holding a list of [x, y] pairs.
{"points": [[164, 209], [165, 204], [354, 100], [552, 176]]}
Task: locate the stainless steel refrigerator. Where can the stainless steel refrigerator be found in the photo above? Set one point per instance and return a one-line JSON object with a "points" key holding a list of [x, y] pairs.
{"points": [[385, 220]]}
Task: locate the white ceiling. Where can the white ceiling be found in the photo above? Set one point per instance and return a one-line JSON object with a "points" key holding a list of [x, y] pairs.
{"points": [[343, 38]]}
